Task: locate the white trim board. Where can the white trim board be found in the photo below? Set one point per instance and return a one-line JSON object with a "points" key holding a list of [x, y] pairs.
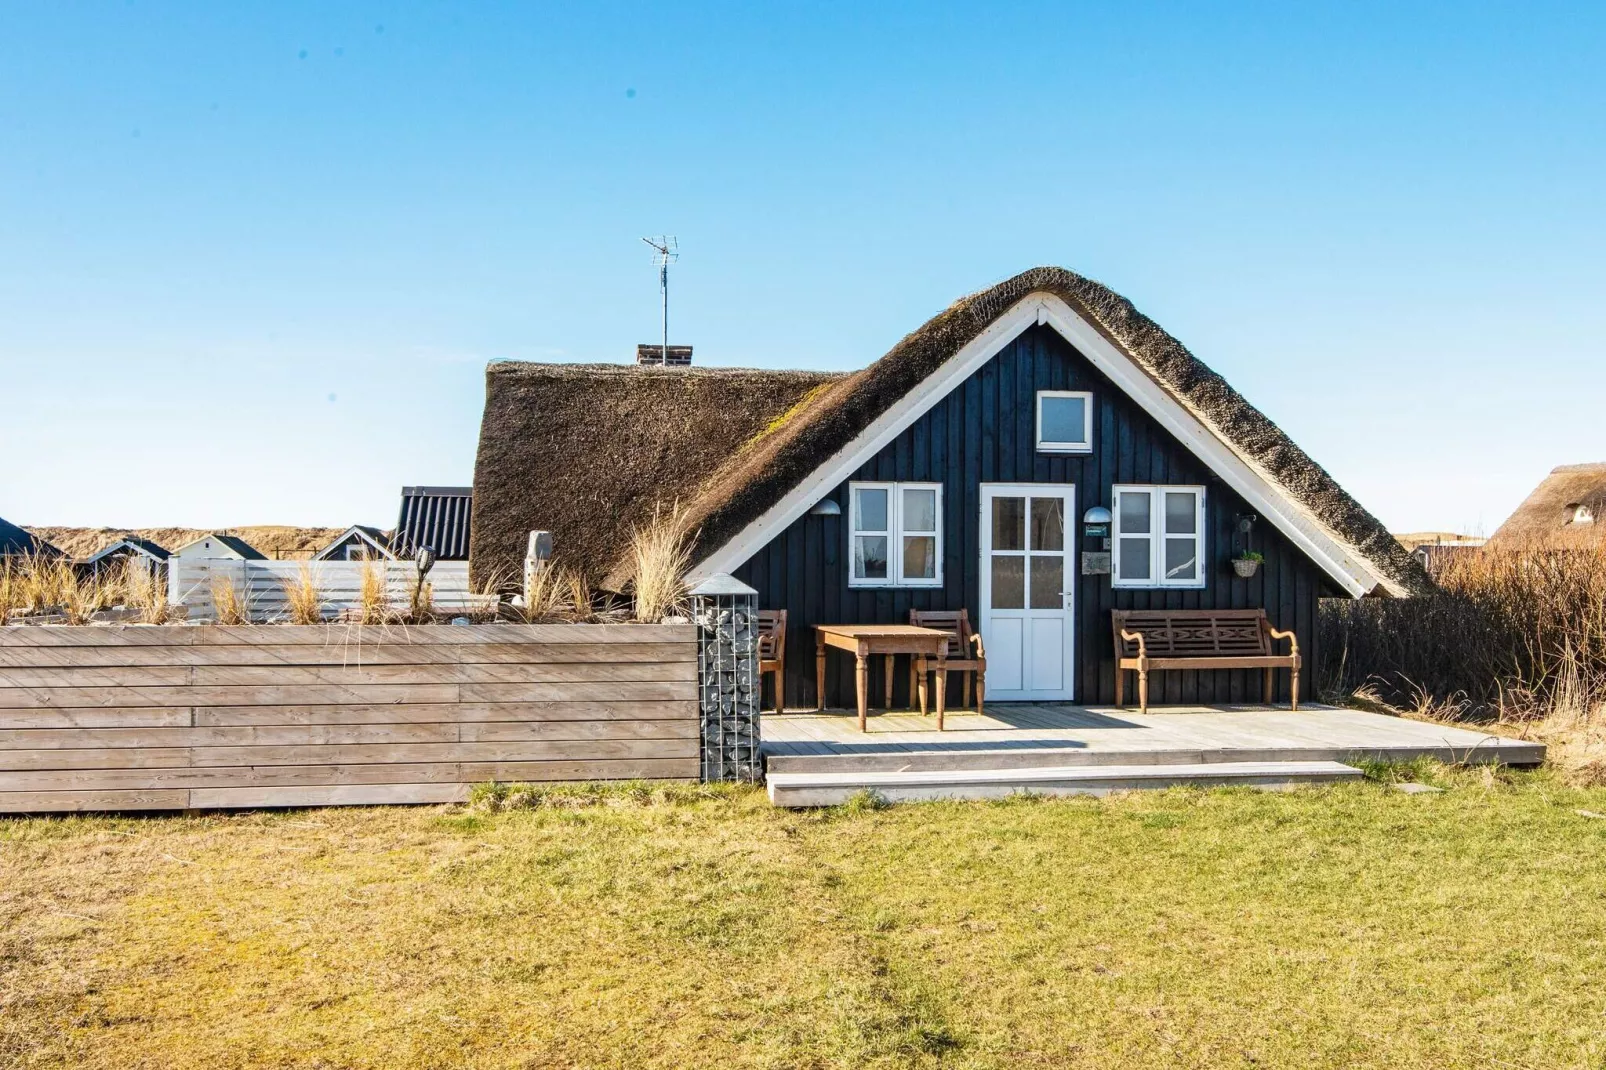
{"points": [[1340, 561]]}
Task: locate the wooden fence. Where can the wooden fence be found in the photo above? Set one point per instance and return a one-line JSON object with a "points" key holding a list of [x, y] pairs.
{"points": [[261, 584], [164, 717]]}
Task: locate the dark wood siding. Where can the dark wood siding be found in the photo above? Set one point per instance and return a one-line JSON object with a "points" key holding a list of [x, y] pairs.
{"points": [[985, 432]]}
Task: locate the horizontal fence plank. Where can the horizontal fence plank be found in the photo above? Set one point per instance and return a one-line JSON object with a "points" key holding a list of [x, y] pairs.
{"points": [[301, 735], [313, 775], [345, 754], [57, 802], [348, 713], [337, 634], [110, 717], [44, 680], [328, 795], [338, 654], [12, 698], [467, 712]]}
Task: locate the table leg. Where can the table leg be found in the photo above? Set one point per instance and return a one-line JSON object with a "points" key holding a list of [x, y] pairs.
{"points": [[819, 671], [862, 675], [942, 688], [887, 665], [920, 677]]}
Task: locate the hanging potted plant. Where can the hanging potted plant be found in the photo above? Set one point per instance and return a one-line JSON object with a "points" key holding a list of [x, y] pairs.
{"points": [[1247, 563]]}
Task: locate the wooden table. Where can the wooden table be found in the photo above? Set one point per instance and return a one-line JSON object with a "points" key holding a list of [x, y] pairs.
{"points": [[863, 640]]}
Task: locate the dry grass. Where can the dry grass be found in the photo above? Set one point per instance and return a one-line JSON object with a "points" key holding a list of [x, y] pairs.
{"points": [[144, 591], [40, 584], [659, 560], [640, 927], [303, 600], [374, 594], [230, 603]]}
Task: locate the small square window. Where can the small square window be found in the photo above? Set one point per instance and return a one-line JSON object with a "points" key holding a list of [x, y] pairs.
{"points": [[1064, 421]]}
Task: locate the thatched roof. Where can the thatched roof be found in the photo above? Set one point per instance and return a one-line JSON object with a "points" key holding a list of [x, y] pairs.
{"points": [[588, 451], [740, 474], [1553, 515]]}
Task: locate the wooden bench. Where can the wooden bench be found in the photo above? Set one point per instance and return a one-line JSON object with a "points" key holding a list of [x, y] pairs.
{"points": [[1146, 640], [772, 652]]}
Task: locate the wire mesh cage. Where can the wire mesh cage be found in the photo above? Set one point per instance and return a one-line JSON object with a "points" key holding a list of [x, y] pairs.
{"points": [[726, 611]]}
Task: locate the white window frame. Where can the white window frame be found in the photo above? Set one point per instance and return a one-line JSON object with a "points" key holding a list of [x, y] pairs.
{"points": [[1086, 445], [894, 533], [1157, 535]]}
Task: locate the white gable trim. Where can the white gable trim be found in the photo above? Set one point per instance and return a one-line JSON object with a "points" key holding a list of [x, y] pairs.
{"points": [[1339, 560], [356, 530], [122, 544]]}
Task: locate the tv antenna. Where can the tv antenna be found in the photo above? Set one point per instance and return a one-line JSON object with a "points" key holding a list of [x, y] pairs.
{"points": [[665, 252]]}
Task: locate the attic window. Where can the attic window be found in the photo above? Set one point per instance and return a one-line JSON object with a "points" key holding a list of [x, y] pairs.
{"points": [[1578, 513], [1064, 421]]}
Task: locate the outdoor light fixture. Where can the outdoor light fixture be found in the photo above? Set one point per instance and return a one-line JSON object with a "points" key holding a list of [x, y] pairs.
{"points": [[425, 560], [1097, 515], [826, 507]]}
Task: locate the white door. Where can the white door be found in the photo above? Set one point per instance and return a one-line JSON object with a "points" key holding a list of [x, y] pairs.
{"points": [[1027, 589]]}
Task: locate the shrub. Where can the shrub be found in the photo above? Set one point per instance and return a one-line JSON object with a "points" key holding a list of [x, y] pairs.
{"points": [[373, 595], [1516, 634]]}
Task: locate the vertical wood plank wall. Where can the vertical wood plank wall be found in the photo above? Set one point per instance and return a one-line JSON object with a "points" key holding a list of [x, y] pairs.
{"points": [[123, 718], [985, 432]]}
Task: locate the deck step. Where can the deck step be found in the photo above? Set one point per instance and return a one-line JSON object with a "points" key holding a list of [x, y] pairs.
{"points": [[1509, 752], [833, 788]]}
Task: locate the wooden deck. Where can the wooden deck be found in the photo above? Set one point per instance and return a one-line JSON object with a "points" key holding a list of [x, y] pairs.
{"points": [[1019, 735]]}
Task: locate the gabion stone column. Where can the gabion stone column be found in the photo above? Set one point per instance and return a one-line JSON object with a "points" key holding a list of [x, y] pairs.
{"points": [[725, 610]]}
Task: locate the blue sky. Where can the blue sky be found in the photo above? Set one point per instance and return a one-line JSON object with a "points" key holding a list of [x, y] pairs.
{"points": [[256, 257]]}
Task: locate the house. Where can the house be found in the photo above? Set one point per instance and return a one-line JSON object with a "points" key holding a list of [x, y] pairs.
{"points": [[436, 517], [1039, 454], [360, 542], [128, 548], [1567, 509], [217, 546], [15, 542]]}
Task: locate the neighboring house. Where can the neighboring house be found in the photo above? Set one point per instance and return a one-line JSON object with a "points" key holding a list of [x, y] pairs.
{"points": [[128, 548], [436, 517], [1567, 509], [360, 542], [15, 542], [217, 546], [989, 462]]}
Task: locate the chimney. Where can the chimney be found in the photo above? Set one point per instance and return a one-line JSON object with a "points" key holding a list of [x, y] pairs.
{"points": [[653, 353]]}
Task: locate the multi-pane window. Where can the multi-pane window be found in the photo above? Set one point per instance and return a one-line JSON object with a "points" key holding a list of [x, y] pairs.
{"points": [[1064, 421], [1159, 536], [896, 533]]}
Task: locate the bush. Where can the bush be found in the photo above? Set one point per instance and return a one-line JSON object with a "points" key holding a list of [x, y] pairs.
{"points": [[1513, 634]]}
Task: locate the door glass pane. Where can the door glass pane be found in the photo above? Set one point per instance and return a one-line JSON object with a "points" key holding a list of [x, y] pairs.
{"points": [[1134, 508], [1134, 559], [870, 557], [919, 557], [1048, 581], [920, 510], [1009, 582], [1009, 523], [871, 514], [1065, 421], [1048, 523], [1181, 513], [1181, 559]]}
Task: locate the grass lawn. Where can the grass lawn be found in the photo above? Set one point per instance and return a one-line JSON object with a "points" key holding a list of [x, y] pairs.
{"points": [[1347, 926]]}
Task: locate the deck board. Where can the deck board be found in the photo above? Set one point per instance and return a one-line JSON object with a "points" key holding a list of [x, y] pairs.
{"points": [[1011, 731]]}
